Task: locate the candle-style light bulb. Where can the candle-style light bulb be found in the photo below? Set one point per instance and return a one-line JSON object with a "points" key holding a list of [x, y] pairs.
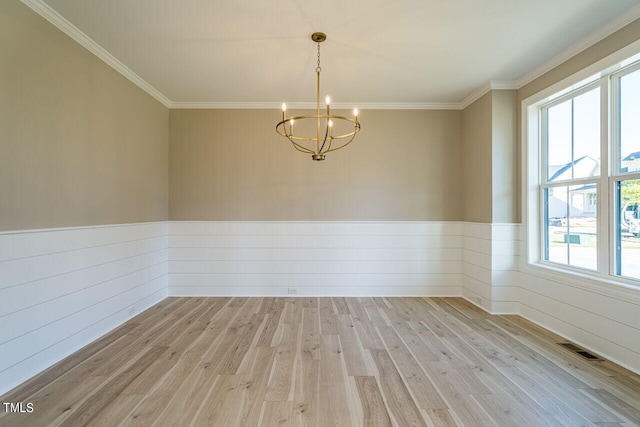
{"points": [[355, 112], [291, 126], [330, 123], [284, 107], [327, 100]]}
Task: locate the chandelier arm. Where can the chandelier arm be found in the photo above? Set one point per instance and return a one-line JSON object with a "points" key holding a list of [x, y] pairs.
{"points": [[343, 145], [284, 133], [300, 147], [326, 132], [333, 137]]}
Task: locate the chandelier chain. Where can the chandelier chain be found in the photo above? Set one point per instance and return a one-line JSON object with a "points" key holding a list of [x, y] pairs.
{"points": [[318, 69]]}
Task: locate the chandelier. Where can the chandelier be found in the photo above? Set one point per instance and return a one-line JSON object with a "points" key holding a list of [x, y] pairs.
{"points": [[332, 132]]}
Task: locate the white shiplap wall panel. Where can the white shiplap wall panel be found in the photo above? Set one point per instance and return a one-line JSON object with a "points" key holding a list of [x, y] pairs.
{"points": [[51, 311], [490, 263], [18, 349], [613, 340], [317, 258], [478, 259], [29, 243], [315, 267], [482, 274], [605, 324], [316, 228], [505, 278], [505, 265], [473, 288], [30, 294], [319, 280], [318, 291], [29, 269], [614, 308], [60, 289], [311, 241], [314, 254], [475, 244]]}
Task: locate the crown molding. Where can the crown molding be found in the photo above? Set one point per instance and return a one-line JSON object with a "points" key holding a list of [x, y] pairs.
{"points": [[601, 33], [76, 34], [484, 89], [409, 106], [313, 106], [503, 85], [229, 105]]}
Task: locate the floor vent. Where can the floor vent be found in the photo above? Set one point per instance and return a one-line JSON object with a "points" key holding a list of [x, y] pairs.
{"points": [[582, 352]]}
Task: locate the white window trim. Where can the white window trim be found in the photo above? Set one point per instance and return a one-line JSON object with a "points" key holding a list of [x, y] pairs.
{"points": [[606, 284]]}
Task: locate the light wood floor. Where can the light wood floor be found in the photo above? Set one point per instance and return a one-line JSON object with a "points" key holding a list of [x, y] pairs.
{"points": [[326, 362]]}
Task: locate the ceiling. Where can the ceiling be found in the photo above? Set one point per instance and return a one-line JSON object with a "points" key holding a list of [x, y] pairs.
{"points": [[405, 52]]}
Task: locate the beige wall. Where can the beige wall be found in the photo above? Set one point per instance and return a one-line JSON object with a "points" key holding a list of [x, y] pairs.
{"points": [[231, 165], [476, 165], [598, 51], [488, 157], [504, 186], [79, 143]]}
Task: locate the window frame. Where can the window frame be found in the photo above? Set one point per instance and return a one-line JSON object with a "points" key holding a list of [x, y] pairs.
{"points": [[533, 262]]}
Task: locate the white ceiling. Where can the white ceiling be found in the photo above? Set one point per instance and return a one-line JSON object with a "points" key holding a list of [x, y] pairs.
{"points": [[377, 52]]}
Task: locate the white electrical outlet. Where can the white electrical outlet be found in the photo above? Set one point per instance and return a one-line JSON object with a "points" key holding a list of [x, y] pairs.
{"points": [[292, 291]]}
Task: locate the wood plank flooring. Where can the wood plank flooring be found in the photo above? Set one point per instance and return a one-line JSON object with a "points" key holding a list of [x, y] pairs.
{"points": [[327, 362]]}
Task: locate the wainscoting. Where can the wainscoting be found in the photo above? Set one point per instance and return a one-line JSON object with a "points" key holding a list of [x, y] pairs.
{"points": [[315, 258], [62, 288]]}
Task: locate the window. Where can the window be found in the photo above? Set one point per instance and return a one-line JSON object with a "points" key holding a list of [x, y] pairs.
{"points": [[589, 152]]}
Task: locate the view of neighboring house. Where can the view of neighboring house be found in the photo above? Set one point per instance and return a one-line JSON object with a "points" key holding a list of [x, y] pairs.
{"points": [[581, 201], [577, 201], [631, 163]]}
